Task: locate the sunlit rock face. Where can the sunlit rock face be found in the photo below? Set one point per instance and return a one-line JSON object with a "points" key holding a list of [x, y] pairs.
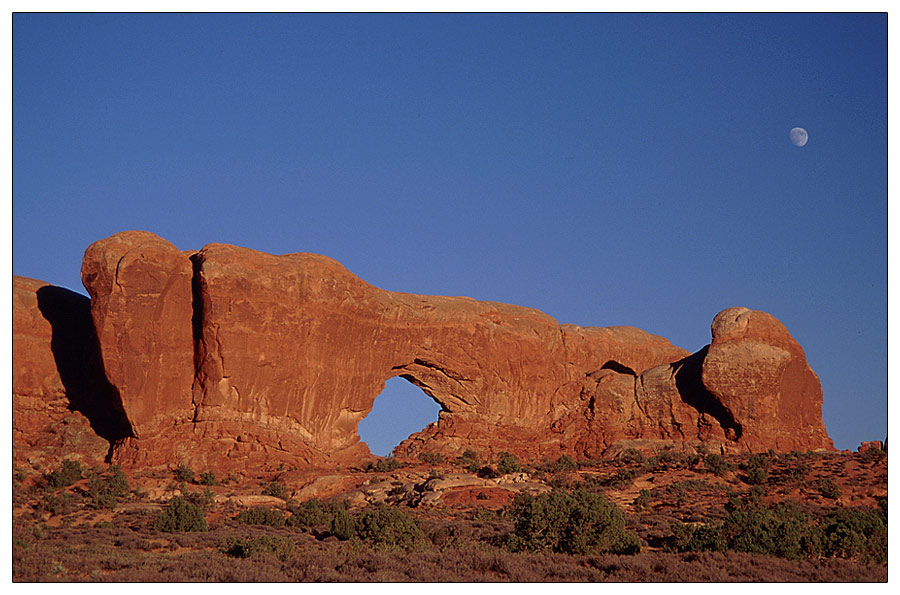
{"points": [[233, 357]]}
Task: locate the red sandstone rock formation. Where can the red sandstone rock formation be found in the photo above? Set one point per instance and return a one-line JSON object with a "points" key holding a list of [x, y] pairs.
{"points": [[759, 374], [141, 297], [232, 357], [54, 384]]}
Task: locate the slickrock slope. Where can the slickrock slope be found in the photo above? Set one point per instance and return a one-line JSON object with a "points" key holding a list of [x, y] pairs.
{"points": [[229, 356]]}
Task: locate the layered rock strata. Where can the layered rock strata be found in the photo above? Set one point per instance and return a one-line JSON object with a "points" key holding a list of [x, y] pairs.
{"points": [[229, 356]]}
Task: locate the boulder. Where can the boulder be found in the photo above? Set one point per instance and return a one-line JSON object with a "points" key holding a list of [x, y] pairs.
{"points": [[758, 373]]}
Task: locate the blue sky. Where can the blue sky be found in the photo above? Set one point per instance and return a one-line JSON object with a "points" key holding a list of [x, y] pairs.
{"points": [[606, 169]]}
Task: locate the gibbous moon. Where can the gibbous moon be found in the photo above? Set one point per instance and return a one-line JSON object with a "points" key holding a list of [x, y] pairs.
{"points": [[799, 137]]}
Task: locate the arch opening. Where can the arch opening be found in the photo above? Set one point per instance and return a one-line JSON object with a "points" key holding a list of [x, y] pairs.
{"points": [[401, 410]]}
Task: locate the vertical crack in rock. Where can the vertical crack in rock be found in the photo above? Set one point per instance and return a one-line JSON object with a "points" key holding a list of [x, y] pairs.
{"points": [[196, 329]]}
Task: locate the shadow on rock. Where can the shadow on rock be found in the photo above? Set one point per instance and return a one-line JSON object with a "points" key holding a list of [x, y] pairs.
{"points": [[77, 355]]}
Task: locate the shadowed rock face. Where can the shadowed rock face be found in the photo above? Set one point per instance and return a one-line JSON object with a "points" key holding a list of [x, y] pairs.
{"points": [[229, 356], [63, 405]]}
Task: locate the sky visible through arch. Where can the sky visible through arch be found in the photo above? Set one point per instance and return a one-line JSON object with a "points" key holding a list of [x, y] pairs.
{"points": [[609, 169]]}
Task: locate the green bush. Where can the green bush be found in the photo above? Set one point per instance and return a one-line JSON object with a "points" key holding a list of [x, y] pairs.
{"points": [[432, 458], [388, 526], [66, 476], [202, 499], [260, 515], [184, 473], [573, 522], [384, 465], [54, 503], [631, 456], [621, 478], [871, 455], [313, 513], [508, 463], [859, 534], [828, 488], [642, 501], [343, 526], [278, 546], [470, 460], [208, 479], [277, 489], [180, 515], [757, 476], [563, 463], [778, 530], [488, 472], [717, 464], [104, 492]]}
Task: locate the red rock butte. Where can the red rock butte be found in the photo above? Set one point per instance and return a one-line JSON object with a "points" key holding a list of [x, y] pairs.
{"points": [[230, 357]]}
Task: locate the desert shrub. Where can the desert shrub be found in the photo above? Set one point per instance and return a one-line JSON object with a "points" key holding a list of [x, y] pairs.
{"points": [[717, 464], [642, 501], [756, 476], [432, 458], [208, 478], [859, 534], [574, 522], [566, 463], [778, 530], [700, 538], [184, 473], [797, 472], [343, 526], [828, 488], [384, 465], [662, 460], [760, 460], [180, 515], [54, 503], [631, 456], [871, 455], [757, 469], [508, 463], [65, 476], [104, 492], [260, 515], [563, 463], [470, 460], [621, 478], [388, 526], [277, 489], [202, 499], [488, 472], [313, 513], [280, 547]]}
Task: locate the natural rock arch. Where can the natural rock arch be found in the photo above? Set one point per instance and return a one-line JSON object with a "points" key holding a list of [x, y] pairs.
{"points": [[400, 410], [270, 358]]}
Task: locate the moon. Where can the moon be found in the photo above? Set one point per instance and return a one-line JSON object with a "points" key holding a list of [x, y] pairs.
{"points": [[799, 137]]}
